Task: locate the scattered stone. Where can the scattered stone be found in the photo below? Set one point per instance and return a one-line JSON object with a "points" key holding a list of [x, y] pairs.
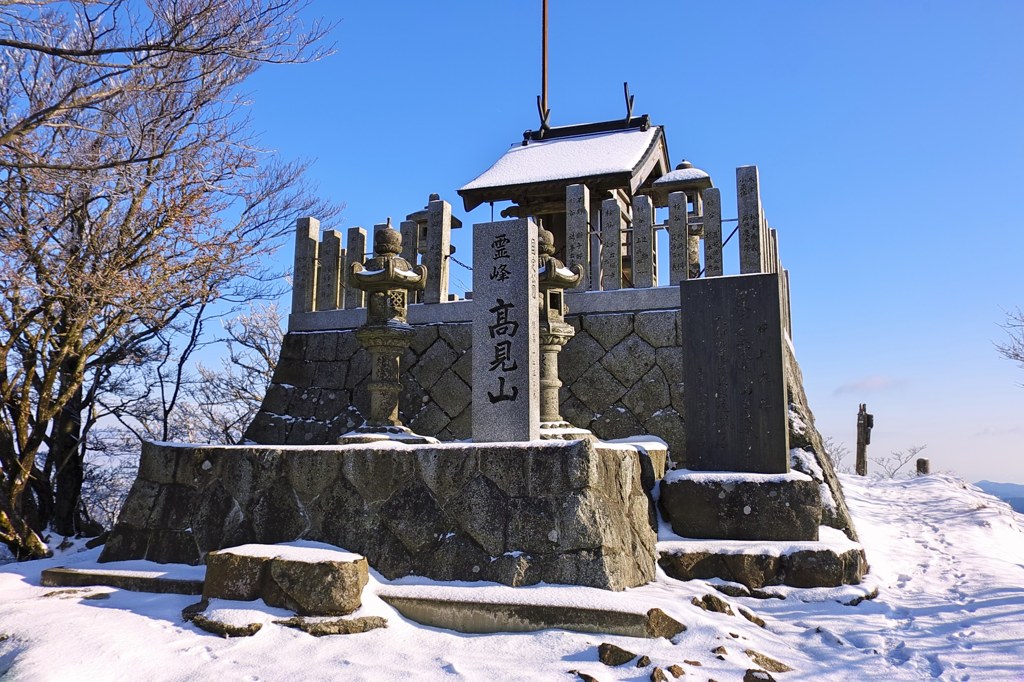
{"points": [[97, 596], [732, 590], [4, 636], [192, 610], [734, 635], [720, 652], [677, 670], [611, 655], [710, 602], [755, 675], [64, 594], [660, 624], [767, 662], [766, 594], [334, 626], [643, 661], [658, 675], [695, 664], [870, 595], [583, 676], [751, 616], [223, 629]]}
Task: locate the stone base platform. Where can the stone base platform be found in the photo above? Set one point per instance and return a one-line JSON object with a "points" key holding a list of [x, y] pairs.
{"points": [[833, 561], [741, 506], [572, 512], [123, 579]]}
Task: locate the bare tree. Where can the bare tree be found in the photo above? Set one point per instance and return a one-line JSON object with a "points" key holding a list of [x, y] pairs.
{"points": [[132, 196], [838, 453], [890, 465], [1013, 348]]}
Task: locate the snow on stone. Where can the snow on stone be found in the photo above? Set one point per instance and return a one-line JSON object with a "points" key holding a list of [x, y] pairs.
{"points": [[726, 477], [568, 157], [299, 550], [947, 560]]}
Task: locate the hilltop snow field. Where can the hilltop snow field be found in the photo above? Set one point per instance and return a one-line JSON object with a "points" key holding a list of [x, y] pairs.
{"points": [[947, 561]]}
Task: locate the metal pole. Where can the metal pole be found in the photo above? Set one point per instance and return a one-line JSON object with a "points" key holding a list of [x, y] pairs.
{"points": [[544, 61]]}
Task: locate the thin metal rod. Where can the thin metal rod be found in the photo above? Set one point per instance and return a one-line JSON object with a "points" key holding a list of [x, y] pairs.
{"points": [[544, 61]]}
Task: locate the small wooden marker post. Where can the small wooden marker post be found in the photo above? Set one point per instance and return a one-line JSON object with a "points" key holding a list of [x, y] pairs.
{"points": [[924, 466], [865, 422]]}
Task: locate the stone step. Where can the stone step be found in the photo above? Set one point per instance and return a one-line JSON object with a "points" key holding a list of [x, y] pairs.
{"points": [[131, 580], [832, 561], [483, 617]]}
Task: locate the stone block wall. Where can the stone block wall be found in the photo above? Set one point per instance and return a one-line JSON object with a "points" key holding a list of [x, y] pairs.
{"points": [[621, 377]]}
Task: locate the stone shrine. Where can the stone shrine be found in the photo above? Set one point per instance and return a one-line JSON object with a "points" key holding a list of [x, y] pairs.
{"points": [[568, 335]]}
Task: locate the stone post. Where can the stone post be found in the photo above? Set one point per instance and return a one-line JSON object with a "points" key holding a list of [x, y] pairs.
{"points": [[611, 244], [678, 238], [924, 466], [773, 250], [307, 243], [644, 275], [355, 253], [751, 218], [693, 235], [713, 233], [387, 279], [865, 422], [555, 332], [577, 230], [439, 244], [506, 388], [329, 289]]}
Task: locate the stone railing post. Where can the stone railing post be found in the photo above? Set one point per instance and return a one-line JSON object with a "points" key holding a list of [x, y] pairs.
{"points": [[307, 243], [354, 254], [330, 288], [678, 238], [644, 275], [439, 244], [577, 230], [611, 244], [713, 233], [751, 219]]}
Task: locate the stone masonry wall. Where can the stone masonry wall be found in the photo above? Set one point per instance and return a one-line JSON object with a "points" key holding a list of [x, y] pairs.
{"points": [[620, 377]]}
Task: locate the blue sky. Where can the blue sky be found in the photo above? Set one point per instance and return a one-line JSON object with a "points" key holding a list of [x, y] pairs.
{"points": [[889, 138]]}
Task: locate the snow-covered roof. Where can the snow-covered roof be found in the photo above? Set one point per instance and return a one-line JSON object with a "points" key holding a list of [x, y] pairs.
{"points": [[623, 154], [682, 175]]}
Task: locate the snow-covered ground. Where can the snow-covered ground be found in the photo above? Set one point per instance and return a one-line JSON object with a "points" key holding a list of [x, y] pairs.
{"points": [[947, 560]]}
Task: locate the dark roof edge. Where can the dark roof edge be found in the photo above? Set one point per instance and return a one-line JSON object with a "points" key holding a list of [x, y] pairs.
{"points": [[642, 122]]}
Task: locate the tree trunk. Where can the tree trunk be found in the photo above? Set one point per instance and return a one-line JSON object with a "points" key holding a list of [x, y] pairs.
{"points": [[70, 465]]}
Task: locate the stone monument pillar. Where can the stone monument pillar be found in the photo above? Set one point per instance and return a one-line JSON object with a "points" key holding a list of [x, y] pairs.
{"points": [[387, 280]]}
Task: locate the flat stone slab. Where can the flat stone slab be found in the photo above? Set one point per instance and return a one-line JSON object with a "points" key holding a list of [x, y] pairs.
{"points": [[741, 506], [132, 580], [831, 562], [312, 579], [481, 617]]}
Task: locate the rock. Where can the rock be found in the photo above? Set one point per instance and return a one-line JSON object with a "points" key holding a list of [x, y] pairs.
{"points": [[710, 602], [583, 676], [751, 616], [660, 624], [310, 580], [755, 675], [611, 655], [695, 664], [732, 590], [767, 662], [658, 675], [677, 670], [643, 661], [193, 610], [870, 595], [335, 626], [737, 508], [720, 652], [223, 629]]}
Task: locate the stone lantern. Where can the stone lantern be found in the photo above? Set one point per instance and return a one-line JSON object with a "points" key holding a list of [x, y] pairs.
{"points": [[553, 279], [387, 280]]}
